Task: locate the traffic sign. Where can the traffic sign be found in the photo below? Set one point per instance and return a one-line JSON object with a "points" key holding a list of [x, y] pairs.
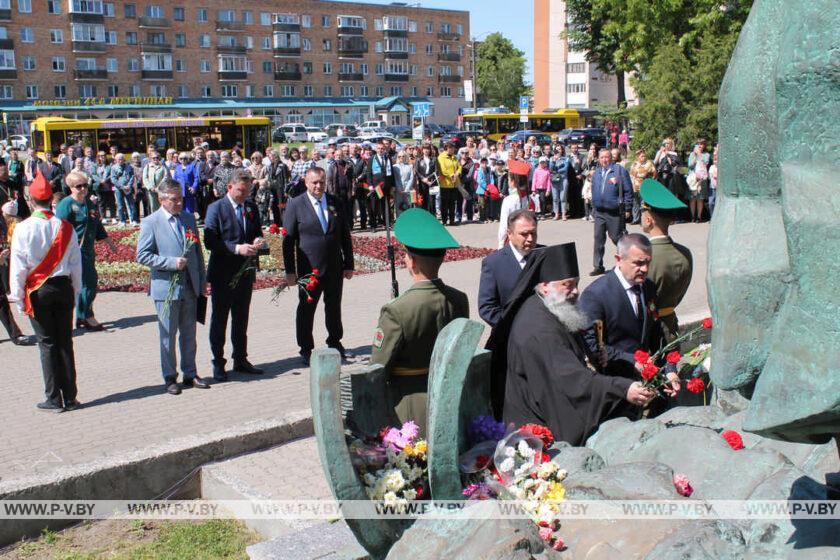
{"points": [[523, 103], [421, 110], [523, 118]]}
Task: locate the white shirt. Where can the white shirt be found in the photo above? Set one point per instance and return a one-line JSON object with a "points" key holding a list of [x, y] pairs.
{"points": [[172, 221], [316, 203], [31, 241], [628, 289], [510, 203], [520, 258]]}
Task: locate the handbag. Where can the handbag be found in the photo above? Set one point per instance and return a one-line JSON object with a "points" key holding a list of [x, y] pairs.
{"points": [[492, 191], [693, 182]]}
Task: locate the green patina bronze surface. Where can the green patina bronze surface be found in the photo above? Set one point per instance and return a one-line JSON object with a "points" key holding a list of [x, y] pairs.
{"points": [[774, 278]]}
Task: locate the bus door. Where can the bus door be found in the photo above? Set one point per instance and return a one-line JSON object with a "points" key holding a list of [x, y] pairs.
{"points": [[160, 138], [256, 138]]}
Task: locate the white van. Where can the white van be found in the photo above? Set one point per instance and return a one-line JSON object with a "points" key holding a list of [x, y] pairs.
{"points": [[295, 132], [372, 127]]}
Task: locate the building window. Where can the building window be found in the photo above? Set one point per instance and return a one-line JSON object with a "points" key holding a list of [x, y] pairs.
{"points": [[445, 28], [307, 67], [230, 90], [347, 68], [412, 48], [157, 62], [180, 66], [380, 91], [133, 64], [364, 69], [265, 19], [130, 11], [180, 40], [287, 90], [87, 90], [108, 9], [204, 65], [430, 50], [377, 24], [87, 33], [110, 37], [7, 92], [130, 37], [266, 65], [347, 91], [29, 62], [459, 29], [460, 70], [327, 91], [178, 14], [201, 17], [268, 90], [576, 88], [266, 43], [157, 91], [430, 27], [7, 59], [56, 35], [352, 21], [27, 35], [58, 64], [575, 67], [247, 17], [306, 21], [307, 91], [412, 26], [249, 42], [325, 21], [412, 69], [413, 91], [378, 46], [430, 71], [396, 90], [113, 91], [430, 91], [25, 7], [204, 41], [363, 91], [85, 64], [327, 68], [32, 92], [134, 90], [460, 92], [307, 44], [205, 91], [60, 92], [446, 91], [327, 45], [380, 69], [183, 91], [112, 65], [288, 40], [53, 6], [249, 91]]}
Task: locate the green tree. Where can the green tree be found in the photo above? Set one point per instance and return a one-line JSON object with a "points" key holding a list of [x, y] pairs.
{"points": [[500, 71]]}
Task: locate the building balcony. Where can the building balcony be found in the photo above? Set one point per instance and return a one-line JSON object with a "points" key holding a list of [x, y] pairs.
{"points": [[95, 74], [231, 49], [345, 30], [86, 18], [450, 79], [352, 47], [230, 26], [396, 55], [146, 22], [155, 47], [233, 76], [351, 77], [449, 57], [5, 14], [8, 74], [396, 32], [7, 44], [396, 77], [89, 46], [448, 36], [156, 74], [286, 27], [286, 51], [288, 74]]}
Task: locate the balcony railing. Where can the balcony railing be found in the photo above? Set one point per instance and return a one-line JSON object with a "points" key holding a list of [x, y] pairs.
{"points": [[10, 74], [352, 47], [449, 36], [286, 26], [229, 25], [396, 33], [86, 18], [95, 74], [286, 51], [89, 46], [153, 22], [449, 57], [231, 49], [348, 30], [155, 47], [351, 77], [450, 79], [396, 55], [396, 77], [287, 74], [156, 74], [233, 75], [7, 44], [5, 14]]}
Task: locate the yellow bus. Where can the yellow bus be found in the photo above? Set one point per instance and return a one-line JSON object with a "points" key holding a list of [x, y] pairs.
{"points": [[136, 135], [498, 125]]}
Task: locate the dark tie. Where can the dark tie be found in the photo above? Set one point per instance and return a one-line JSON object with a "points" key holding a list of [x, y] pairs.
{"points": [[637, 294], [240, 215]]}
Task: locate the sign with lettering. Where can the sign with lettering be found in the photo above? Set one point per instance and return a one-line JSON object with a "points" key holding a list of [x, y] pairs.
{"points": [[104, 101]]}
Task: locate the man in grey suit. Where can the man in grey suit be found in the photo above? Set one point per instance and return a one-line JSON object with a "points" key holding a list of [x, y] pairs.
{"points": [[161, 248]]}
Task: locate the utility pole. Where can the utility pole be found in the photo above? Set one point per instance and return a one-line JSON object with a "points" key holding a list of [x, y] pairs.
{"points": [[474, 83]]}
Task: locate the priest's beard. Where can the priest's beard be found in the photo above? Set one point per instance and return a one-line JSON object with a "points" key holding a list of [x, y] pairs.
{"points": [[565, 311]]}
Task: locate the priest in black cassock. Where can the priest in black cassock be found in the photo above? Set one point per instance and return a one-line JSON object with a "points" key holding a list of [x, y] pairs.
{"points": [[541, 360]]}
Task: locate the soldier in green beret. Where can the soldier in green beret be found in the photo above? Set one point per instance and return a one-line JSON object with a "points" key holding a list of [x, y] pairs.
{"points": [[671, 263], [409, 325]]}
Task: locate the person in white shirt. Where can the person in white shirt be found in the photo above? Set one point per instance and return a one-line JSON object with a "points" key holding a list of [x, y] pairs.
{"points": [[518, 198], [45, 278]]}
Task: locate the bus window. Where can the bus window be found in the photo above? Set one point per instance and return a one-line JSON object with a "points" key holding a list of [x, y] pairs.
{"points": [[507, 125], [38, 140], [127, 140], [56, 139], [161, 138], [85, 138], [256, 138]]}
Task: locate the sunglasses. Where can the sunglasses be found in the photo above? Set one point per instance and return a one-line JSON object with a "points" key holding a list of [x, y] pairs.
{"points": [[81, 186]]}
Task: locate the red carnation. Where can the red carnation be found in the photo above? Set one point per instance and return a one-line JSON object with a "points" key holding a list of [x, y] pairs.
{"points": [[316, 272], [649, 372], [541, 432], [419, 490], [545, 458], [673, 358], [696, 385], [707, 323], [309, 299], [734, 439], [283, 231], [482, 461], [641, 356]]}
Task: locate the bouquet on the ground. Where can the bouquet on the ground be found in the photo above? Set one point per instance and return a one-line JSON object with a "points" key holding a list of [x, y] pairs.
{"points": [[190, 240], [393, 465], [655, 368], [308, 283]]}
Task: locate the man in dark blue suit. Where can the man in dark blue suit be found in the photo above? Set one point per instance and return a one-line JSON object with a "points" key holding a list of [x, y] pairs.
{"points": [[500, 270], [624, 300], [233, 235], [612, 200], [317, 237]]}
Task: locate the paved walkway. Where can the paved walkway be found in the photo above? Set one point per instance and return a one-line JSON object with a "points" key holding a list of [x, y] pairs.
{"points": [[119, 379]]}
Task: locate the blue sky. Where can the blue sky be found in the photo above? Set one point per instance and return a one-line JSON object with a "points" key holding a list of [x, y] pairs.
{"points": [[513, 18]]}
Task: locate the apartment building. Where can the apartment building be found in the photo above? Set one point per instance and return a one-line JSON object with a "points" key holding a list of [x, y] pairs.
{"points": [[562, 77], [310, 61]]}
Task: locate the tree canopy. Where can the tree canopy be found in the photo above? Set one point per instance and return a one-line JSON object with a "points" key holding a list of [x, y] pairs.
{"points": [[500, 71]]}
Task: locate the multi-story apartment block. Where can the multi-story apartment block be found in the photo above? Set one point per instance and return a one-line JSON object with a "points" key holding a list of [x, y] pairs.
{"points": [[310, 61]]}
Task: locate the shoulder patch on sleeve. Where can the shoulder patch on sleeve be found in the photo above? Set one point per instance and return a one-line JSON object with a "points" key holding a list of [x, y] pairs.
{"points": [[378, 337]]}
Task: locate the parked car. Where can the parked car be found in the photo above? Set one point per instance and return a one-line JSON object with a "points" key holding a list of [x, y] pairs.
{"points": [[376, 139], [459, 139], [433, 130], [583, 136], [399, 131], [369, 128], [340, 129], [295, 132], [338, 141], [523, 135], [18, 141], [315, 134], [277, 135], [449, 128]]}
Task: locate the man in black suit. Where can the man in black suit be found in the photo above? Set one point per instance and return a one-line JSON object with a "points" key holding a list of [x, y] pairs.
{"points": [[426, 171], [356, 173], [501, 270], [317, 237], [380, 171], [233, 235], [625, 301]]}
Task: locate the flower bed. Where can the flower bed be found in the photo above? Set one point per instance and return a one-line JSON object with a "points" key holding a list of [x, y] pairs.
{"points": [[119, 271]]}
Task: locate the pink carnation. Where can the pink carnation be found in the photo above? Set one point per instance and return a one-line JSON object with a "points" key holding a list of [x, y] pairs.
{"points": [[682, 485], [559, 544], [546, 533], [402, 437]]}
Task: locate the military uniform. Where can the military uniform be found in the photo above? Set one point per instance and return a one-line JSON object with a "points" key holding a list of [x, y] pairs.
{"points": [[409, 325], [671, 264]]}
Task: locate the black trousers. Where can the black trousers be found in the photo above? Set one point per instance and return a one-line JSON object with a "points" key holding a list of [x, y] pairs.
{"points": [[52, 305], [331, 288], [6, 317], [367, 210], [606, 222], [236, 303], [448, 201]]}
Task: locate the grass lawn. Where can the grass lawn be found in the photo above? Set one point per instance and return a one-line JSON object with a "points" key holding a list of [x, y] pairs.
{"points": [[139, 540]]}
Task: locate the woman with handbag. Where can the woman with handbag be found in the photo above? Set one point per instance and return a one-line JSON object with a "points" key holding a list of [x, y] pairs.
{"points": [[698, 180], [559, 167]]}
